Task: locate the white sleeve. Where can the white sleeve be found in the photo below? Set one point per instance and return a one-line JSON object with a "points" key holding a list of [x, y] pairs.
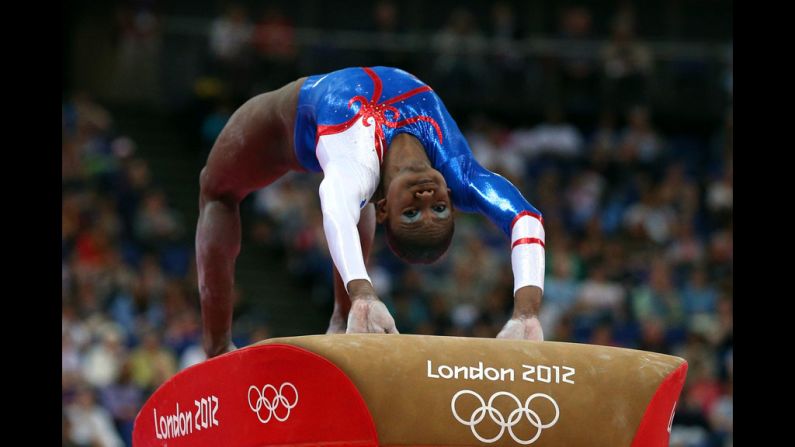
{"points": [[527, 250], [341, 199]]}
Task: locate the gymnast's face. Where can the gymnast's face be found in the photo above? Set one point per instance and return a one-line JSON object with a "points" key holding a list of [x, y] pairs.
{"points": [[418, 214]]}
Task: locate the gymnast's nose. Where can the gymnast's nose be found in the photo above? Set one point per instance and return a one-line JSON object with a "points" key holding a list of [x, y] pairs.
{"points": [[426, 194]]}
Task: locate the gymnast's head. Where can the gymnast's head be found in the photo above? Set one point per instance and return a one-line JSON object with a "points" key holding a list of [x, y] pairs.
{"points": [[416, 209]]}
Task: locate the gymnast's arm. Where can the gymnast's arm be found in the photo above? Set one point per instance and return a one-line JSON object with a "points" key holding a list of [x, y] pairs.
{"points": [[217, 247], [498, 199], [245, 157], [339, 199], [342, 302]]}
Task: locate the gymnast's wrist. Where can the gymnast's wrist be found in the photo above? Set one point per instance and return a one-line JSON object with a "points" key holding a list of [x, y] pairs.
{"points": [[217, 344], [361, 289], [527, 302]]}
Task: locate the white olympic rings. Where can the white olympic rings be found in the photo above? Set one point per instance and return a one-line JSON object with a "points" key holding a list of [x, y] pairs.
{"points": [[512, 420], [273, 404]]}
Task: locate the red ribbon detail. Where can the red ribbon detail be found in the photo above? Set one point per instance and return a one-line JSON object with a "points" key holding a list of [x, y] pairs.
{"points": [[377, 111]]}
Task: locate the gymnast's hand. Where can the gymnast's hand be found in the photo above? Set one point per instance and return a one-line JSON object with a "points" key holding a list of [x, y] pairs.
{"points": [[522, 329], [226, 348], [368, 314], [524, 324], [337, 324]]}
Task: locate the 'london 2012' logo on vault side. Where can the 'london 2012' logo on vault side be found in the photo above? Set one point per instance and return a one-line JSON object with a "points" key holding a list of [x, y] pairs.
{"points": [[513, 419], [270, 403]]}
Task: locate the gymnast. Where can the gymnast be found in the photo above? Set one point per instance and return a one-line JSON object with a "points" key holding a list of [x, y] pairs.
{"points": [[389, 152]]}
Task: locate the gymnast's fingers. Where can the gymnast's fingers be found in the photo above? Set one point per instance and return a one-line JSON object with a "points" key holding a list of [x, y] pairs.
{"points": [[391, 329]]}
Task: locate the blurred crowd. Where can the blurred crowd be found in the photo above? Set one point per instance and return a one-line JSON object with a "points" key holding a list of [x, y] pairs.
{"points": [[638, 220], [130, 306], [475, 57]]}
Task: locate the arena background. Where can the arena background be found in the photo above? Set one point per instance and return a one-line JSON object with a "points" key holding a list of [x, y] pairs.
{"points": [[614, 118]]}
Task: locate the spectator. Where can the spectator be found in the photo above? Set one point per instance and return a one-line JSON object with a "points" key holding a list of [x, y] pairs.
{"points": [[578, 73], [651, 218], [89, 423], [134, 181], [507, 62], [137, 71], [156, 223], [151, 364], [626, 64], [92, 249], [274, 35], [230, 34], [556, 137], [584, 196], [71, 360], [192, 355], [686, 248], [698, 297], [230, 49], [460, 62], [603, 335], [604, 141], [599, 298], [275, 43], [680, 191], [493, 148], [658, 299], [561, 290], [184, 326], [504, 25], [721, 417], [388, 31], [653, 337], [720, 195], [639, 142], [123, 399], [103, 361]]}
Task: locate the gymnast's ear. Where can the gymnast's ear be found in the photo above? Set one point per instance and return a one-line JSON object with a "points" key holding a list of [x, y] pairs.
{"points": [[381, 212]]}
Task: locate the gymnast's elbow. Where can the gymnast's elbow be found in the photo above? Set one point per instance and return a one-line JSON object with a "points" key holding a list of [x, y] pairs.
{"points": [[335, 200], [213, 188]]}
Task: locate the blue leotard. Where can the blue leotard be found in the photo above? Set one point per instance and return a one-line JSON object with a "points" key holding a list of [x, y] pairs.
{"points": [[394, 101]]}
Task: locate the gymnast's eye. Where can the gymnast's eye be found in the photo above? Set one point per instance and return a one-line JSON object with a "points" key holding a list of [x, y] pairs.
{"points": [[441, 210], [410, 215]]}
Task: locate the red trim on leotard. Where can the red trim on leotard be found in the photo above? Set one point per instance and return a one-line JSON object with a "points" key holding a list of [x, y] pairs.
{"points": [[408, 94], [527, 240], [373, 109], [527, 213]]}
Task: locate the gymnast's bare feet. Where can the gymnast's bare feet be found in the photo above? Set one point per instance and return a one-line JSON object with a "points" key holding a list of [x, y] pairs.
{"points": [[368, 314]]}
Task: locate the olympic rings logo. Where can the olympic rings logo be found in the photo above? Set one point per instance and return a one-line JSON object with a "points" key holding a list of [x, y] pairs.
{"points": [[511, 421], [273, 403]]}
